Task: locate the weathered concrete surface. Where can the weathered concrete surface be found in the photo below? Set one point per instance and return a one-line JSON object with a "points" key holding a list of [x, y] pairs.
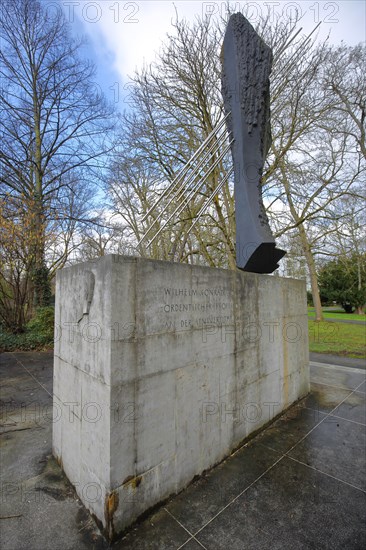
{"points": [[246, 66], [161, 369]]}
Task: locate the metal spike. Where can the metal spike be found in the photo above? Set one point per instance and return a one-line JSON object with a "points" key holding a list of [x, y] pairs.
{"points": [[178, 210], [169, 189], [212, 149], [210, 199]]}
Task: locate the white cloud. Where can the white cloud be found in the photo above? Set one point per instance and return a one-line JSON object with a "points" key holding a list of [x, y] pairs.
{"points": [[128, 34]]}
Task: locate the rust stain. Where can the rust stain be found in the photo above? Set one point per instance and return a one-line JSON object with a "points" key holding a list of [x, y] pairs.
{"points": [[110, 506], [132, 481], [127, 480], [112, 503]]}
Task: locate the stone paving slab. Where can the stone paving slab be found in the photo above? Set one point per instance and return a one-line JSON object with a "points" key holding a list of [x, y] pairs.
{"points": [[292, 506], [298, 484]]}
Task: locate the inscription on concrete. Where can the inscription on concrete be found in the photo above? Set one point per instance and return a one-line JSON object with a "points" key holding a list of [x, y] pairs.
{"points": [[167, 306], [189, 308]]}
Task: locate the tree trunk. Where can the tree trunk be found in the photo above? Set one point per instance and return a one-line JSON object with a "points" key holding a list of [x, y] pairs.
{"points": [[41, 285], [312, 272], [359, 309], [306, 247]]}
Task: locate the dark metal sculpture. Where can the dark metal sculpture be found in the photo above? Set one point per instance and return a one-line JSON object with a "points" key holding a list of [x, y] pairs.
{"points": [[246, 66]]}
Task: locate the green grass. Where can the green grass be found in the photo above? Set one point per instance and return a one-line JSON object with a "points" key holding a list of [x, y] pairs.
{"points": [[337, 314], [338, 339], [340, 316]]}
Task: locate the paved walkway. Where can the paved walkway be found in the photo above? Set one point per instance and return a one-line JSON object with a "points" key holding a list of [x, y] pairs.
{"points": [[300, 484], [338, 360]]}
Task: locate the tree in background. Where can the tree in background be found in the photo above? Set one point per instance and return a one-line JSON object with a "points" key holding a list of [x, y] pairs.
{"points": [[349, 241], [15, 266], [325, 164], [103, 237], [344, 281], [54, 135], [175, 104], [345, 80]]}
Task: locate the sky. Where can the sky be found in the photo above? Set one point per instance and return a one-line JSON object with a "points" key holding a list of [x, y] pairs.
{"points": [[123, 35]]}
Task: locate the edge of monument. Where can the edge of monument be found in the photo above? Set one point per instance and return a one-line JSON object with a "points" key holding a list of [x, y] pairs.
{"points": [[119, 258]]}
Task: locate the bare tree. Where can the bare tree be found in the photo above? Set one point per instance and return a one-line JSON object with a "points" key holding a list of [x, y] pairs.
{"points": [[14, 265], [326, 164], [349, 236], [176, 103], [344, 81], [54, 130]]}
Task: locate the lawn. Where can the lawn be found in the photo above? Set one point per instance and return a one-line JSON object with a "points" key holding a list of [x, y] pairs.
{"points": [[337, 314], [338, 339]]}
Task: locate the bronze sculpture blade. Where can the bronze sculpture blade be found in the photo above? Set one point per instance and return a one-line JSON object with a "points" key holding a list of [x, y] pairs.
{"points": [[246, 66]]}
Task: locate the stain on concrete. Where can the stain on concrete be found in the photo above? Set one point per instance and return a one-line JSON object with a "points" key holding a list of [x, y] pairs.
{"points": [[110, 506]]}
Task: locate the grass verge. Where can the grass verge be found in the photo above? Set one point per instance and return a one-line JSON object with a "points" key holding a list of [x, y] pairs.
{"points": [[340, 316], [337, 314], [338, 339]]}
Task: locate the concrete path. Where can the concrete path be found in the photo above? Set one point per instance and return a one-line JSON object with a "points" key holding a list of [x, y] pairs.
{"points": [[300, 484]]}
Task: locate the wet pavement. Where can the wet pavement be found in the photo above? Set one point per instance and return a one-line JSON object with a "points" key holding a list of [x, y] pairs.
{"points": [[299, 484], [338, 360]]}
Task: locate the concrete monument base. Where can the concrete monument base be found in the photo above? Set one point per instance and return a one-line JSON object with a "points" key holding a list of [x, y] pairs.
{"points": [[162, 369]]}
